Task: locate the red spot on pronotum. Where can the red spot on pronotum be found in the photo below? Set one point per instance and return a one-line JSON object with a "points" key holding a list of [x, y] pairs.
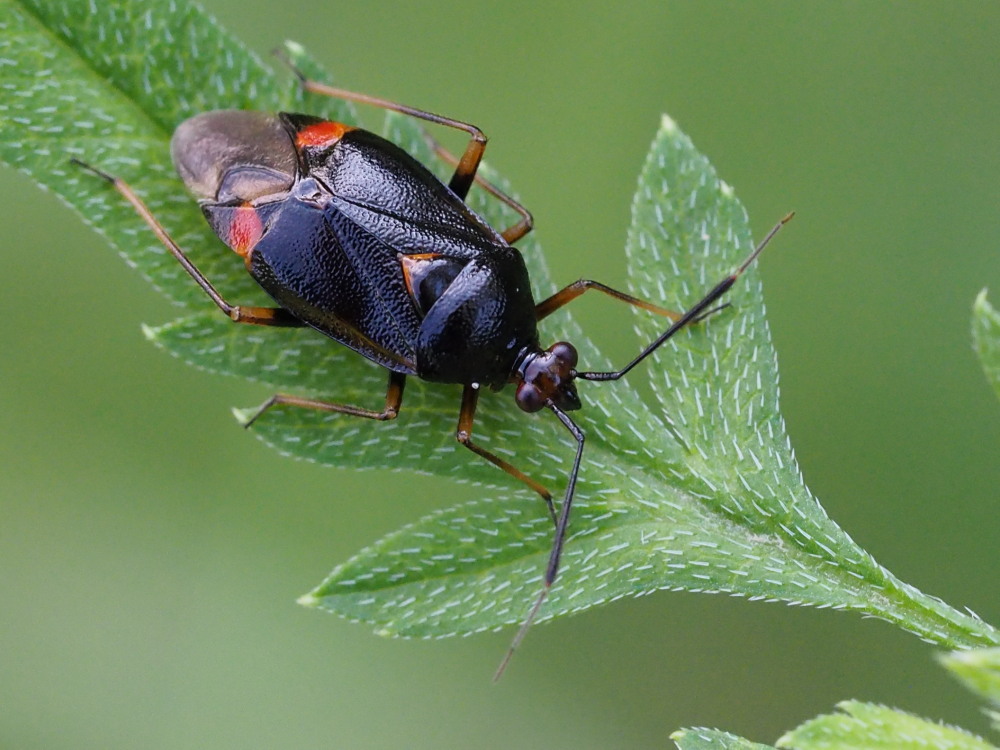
{"points": [[321, 134]]}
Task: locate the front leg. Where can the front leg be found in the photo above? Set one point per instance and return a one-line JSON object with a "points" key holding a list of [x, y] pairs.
{"points": [[470, 397]]}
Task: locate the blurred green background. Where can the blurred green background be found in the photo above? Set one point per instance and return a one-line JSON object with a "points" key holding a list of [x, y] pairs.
{"points": [[152, 551]]}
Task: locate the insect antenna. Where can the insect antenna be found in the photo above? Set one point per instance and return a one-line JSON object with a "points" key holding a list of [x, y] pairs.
{"points": [[562, 524], [698, 312]]}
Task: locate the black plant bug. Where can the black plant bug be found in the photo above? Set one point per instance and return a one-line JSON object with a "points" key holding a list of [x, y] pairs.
{"points": [[352, 236]]}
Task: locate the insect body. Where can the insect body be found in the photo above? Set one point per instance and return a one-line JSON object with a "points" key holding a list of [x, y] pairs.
{"points": [[352, 236], [355, 238]]}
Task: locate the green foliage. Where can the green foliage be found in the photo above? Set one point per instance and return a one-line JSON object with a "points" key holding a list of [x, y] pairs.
{"points": [[712, 739], [866, 725], [859, 725], [695, 489], [986, 338], [979, 669]]}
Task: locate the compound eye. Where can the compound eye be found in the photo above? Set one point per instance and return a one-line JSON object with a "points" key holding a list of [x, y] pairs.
{"points": [[564, 353], [246, 184], [529, 398]]}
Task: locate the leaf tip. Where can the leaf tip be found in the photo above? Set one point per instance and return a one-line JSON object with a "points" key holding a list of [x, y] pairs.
{"points": [[243, 415], [308, 600], [785, 740], [149, 332], [981, 303], [293, 48], [948, 658], [668, 124], [964, 661]]}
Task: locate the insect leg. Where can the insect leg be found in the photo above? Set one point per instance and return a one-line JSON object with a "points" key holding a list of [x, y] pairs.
{"points": [[695, 315], [393, 400], [512, 233], [470, 397], [567, 294], [261, 316], [465, 172], [700, 309]]}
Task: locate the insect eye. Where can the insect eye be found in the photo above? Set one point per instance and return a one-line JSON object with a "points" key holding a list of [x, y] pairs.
{"points": [[244, 184], [529, 398], [564, 353]]}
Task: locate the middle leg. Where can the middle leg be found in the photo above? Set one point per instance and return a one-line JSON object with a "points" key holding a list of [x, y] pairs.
{"points": [[393, 400], [466, 166], [465, 172], [569, 293]]}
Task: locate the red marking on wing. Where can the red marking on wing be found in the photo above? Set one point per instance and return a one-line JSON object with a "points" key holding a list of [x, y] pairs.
{"points": [[321, 134], [245, 230]]}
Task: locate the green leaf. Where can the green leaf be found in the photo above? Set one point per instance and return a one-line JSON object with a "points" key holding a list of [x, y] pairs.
{"points": [[699, 492], [986, 338], [713, 739], [866, 725], [979, 669], [108, 83], [695, 488]]}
